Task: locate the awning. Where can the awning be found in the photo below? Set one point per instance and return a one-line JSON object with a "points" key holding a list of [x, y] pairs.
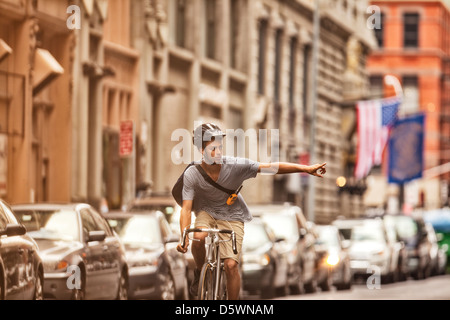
{"points": [[46, 68], [5, 50]]}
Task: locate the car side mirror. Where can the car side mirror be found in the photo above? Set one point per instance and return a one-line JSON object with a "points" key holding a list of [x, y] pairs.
{"points": [[99, 235], [303, 233], [12, 230], [345, 244]]}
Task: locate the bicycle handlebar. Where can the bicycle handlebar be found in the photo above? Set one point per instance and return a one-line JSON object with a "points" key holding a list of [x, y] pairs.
{"points": [[209, 230]]}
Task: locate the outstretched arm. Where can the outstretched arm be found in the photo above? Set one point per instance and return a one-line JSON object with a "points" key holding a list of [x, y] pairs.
{"points": [[317, 170]]}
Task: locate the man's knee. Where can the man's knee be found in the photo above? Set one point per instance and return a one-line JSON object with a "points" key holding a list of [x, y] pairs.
{"points": [[231, 266]]}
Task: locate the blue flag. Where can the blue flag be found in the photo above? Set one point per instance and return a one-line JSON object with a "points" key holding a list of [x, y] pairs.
{"points": [[406, 149]]}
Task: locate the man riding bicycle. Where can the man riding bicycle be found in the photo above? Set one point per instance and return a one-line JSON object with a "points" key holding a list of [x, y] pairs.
{"points": [[211, 207]]}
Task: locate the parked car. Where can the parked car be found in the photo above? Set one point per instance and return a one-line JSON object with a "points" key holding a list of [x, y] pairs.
{"points": [[412, 232], [21, 267], [324, 277], [264, 269], [440, 220], [156, 269], [336, 258], [433, 250], [155, 201], [289, 224], [371, 250], [401, 252], [82, 257]]}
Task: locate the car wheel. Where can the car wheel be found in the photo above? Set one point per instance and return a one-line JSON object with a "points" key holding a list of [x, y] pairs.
{"points": [[122, 293], [168, 288], [297, 287], [79, 293], [327, 283], [311, 286], [2, 291], [38, 287], [185, 292]]}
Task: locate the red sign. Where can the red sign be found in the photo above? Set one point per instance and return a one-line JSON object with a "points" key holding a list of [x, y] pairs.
{"points": [[126, 138]]}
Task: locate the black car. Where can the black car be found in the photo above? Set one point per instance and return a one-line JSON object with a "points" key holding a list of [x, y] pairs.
{"points": [[83, 258], [289, 224], [413, 233], [21, 268], [264, 269], [157, 269], [335, 257]]}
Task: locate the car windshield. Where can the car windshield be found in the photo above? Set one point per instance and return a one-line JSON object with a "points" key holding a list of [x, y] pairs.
{"points": [[328, 237], [50, 224], [284, 226], [255, 236], [137, 230], [406, 227], [367, 233]]}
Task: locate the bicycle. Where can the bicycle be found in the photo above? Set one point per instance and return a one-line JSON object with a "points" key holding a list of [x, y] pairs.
{"points": [[212, 282]]}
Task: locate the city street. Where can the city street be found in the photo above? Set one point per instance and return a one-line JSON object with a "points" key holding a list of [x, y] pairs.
{"points": [[434, 288]]}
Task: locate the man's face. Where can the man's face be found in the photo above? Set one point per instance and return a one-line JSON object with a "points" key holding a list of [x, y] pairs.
{"points": [[212, 154]]}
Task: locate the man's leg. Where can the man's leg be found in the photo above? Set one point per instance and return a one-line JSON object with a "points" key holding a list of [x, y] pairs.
{"points": [[233, 278]]}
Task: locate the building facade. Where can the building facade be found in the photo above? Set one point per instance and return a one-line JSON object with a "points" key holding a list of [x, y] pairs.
{"points": [[147, 68], [414, 46]]}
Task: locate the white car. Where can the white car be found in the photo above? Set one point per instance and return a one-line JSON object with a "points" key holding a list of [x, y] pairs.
{"points": [[371, 251]]}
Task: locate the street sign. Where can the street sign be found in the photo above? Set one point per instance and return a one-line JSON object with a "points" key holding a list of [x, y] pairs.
{"points": [[126, 139]]}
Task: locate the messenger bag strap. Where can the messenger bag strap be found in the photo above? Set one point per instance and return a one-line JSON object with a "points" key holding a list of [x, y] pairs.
{"points": [[211, 181]]}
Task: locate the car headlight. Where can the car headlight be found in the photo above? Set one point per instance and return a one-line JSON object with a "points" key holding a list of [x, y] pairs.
{"points": [[60, 265], [332, 260]]}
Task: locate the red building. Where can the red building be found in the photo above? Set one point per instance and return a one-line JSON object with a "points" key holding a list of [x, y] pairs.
{"points": [[414, 45]]}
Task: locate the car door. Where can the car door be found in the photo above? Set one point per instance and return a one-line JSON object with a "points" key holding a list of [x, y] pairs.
{"points": [[11, 261], [27, 263], [95, 279], [110, 256], [176, 260]]}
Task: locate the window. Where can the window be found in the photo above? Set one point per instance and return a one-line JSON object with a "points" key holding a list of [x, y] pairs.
{"points": [[379, 32], [376, 86], [278, 44], [234, 32], [210, 28], [292, 74], [88, 221], [180, 16], [411, 30], [262, 56], [3, 219], [307, 50], [410, 95]]}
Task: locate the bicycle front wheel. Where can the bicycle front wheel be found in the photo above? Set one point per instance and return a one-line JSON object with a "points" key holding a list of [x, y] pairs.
{"points": [[206, 283]]}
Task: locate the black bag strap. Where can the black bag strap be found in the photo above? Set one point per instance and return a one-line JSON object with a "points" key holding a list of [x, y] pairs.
{"points": [[211, 181]]}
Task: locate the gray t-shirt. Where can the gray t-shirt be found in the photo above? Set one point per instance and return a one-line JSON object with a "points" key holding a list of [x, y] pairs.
{"points": [[233, 173]]}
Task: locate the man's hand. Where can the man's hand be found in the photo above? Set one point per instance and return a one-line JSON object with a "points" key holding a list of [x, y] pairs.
{"points": [[185, 248], [317, 170]]}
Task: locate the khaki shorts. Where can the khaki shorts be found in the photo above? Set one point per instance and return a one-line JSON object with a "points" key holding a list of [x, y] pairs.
{"points": [[204, 220]]}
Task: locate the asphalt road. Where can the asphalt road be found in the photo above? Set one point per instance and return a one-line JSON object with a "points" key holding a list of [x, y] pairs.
{"points": [[433, 288]]}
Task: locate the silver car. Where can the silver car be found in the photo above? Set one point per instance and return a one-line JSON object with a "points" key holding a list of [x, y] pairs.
{"points": [[83, 258], [371, 251]]}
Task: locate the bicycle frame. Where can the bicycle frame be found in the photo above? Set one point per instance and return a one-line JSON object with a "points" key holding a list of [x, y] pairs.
{"points": [[212, 257]]}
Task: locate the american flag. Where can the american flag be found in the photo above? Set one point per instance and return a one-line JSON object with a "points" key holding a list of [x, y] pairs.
{"points": [[374, 120]]}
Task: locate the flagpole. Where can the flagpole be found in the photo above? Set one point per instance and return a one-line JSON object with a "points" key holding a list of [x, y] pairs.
{"points": [[312, 155]]}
